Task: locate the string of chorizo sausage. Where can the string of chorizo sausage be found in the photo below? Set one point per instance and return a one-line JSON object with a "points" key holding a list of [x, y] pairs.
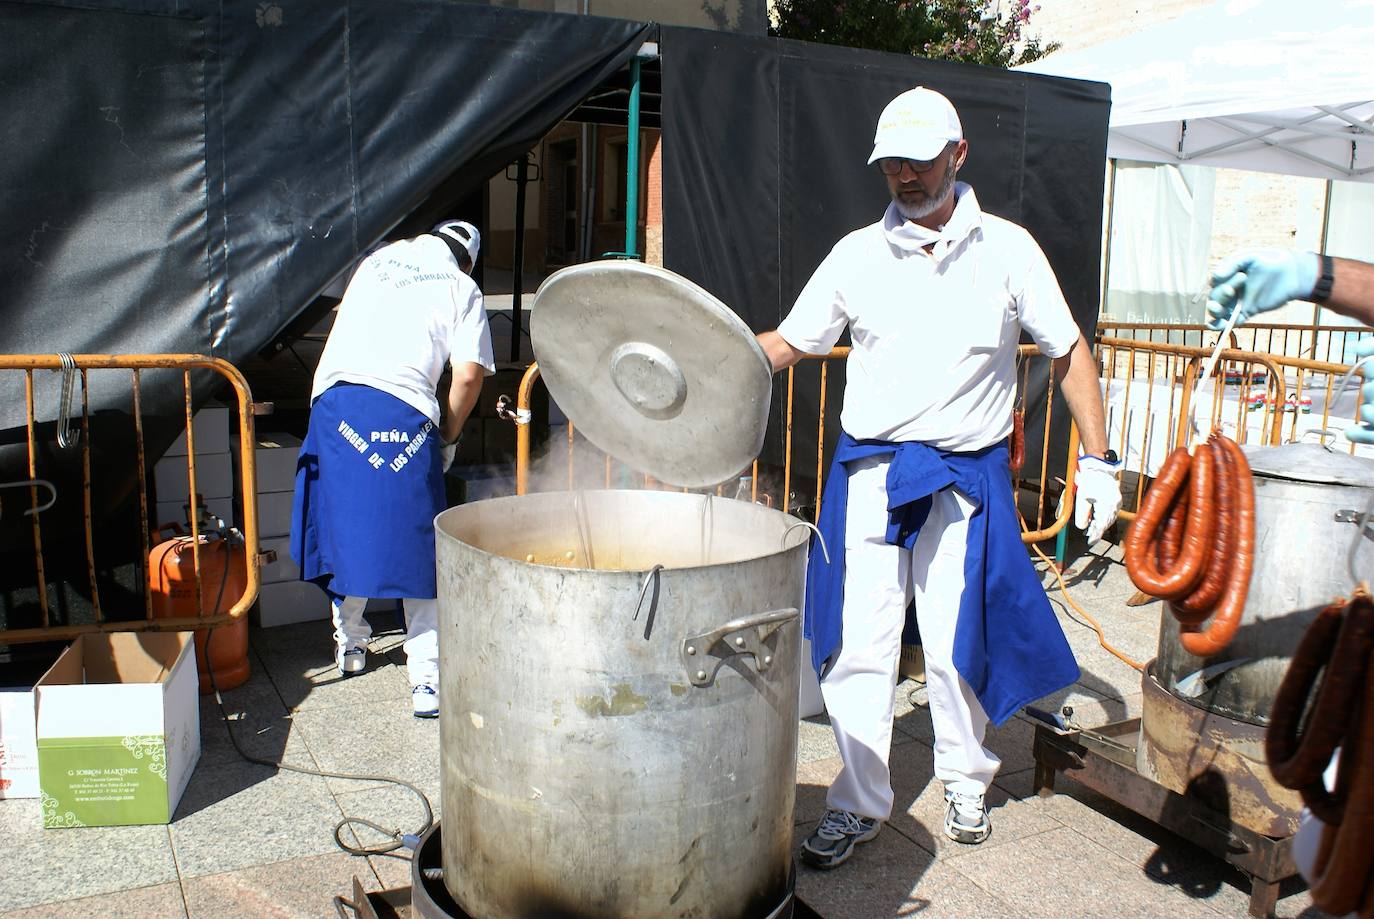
{"points": [[1018, 440], [1193, 541], [1301, 742]]}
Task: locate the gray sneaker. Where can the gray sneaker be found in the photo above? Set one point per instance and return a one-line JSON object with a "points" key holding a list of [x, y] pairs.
{"points": [[966, 818], [834, 840]]}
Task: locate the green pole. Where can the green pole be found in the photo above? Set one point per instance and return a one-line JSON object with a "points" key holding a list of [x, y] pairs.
{"points": [[632, 166]]}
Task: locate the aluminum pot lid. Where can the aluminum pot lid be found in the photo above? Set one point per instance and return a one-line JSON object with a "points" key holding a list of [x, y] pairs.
{"points": [[653, 370], [1311, 463]]}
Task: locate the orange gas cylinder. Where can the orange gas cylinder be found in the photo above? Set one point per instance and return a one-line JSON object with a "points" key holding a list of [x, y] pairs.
{"points": [[223, 575]]}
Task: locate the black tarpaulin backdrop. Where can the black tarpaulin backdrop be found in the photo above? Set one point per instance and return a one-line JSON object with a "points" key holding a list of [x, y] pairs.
{"points": [[765, 146], [190, 174], [186, 176]]}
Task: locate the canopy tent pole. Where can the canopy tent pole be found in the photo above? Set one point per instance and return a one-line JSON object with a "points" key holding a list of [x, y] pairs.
{"points": [[1317, 307], [522, 178], [647, 52], [587, 164], [632, 165], [1107, 244]]}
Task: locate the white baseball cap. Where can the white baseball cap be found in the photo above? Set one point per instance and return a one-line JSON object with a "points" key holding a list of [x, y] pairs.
{"points": [[464, 233], [916, 126]]}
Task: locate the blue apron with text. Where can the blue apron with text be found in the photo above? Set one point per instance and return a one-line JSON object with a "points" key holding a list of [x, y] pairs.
{"points": [[369, 482]]}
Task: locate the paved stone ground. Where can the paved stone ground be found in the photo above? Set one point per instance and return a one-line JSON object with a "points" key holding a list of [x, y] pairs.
{"points": [[250, 840]]}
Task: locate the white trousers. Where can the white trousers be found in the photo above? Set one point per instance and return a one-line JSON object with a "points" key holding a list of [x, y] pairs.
{"points": [[880, 581], [422, 634]]}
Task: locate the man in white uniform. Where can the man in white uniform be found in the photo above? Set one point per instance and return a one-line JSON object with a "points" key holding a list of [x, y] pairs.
{"points": [[934, 296], [369, 480]]}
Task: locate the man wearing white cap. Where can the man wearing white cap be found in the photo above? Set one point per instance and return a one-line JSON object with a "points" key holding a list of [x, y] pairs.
{"points": [[369, 479], [919, 499]]}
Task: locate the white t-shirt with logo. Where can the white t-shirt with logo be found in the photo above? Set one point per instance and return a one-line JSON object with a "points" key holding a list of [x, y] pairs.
{"points": [[934, 332], [407, 312]]}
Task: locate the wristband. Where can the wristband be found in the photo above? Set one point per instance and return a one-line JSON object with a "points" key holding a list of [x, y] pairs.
{"points": [[1322, 292], [1110, 457]]}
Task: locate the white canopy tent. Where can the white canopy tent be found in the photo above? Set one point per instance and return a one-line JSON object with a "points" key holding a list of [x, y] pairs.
{"points": [[1277, 86], [1267, 85]]}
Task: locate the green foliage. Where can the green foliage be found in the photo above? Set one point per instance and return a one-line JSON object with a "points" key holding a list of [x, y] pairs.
{"points": [[952, 30]]}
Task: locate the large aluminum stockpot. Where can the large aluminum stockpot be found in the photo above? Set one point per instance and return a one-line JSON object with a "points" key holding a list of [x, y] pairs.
{"points": [[1203, 720], [619, 739], [1307, 501]]}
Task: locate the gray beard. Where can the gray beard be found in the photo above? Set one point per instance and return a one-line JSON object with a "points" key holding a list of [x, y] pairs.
{"points": [[932, 203]]}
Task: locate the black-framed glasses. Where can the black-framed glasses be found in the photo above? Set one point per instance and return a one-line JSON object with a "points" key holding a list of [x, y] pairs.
{"points": [[892, 165]]}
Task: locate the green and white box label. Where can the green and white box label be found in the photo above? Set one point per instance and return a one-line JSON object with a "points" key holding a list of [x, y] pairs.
{"points": [[94, 781]]}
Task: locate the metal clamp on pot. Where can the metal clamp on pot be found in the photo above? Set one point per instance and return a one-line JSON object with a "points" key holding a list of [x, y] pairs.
{"points": [[745, 635]]}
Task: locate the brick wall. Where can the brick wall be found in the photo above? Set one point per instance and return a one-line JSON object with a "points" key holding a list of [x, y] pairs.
{"points": [[653, 199]]}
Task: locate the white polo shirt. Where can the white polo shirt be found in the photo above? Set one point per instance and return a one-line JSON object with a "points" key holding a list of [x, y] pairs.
{"points": [[934, 332], [407, 311]]}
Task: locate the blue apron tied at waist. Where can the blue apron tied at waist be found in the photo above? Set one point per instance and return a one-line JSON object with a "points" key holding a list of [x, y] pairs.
{"points": [[369, 481], [1008, 644]]}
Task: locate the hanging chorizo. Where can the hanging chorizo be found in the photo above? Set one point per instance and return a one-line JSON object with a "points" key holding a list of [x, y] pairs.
{"points": [[1196, 549], [1226, 620], [1200, 602]]}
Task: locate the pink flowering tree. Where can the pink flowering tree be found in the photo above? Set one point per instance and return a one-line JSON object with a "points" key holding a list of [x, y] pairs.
{"points": [[972, 31]]}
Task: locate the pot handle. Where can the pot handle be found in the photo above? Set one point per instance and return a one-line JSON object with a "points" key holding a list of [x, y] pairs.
{"points": [[745, 635]]}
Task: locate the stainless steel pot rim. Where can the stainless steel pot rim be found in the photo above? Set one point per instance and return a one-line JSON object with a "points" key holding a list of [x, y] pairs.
{"points": [[1310, 462]]}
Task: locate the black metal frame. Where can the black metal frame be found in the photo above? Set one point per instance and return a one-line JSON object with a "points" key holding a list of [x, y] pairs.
{"points": [[1104, 760]]}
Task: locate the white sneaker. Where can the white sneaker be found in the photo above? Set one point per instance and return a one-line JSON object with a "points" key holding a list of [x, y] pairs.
{"points": [[966, 818], [424, 701], [350, 660]]}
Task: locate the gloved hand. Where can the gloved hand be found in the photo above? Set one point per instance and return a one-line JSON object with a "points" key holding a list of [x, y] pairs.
{"points": [[1363, 433], [449, 452], [1098, 496], [1262, 279]]}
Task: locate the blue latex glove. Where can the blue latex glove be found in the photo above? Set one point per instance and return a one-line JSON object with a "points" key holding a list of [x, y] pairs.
{"points": [[1260, 280], [1363, 433]]}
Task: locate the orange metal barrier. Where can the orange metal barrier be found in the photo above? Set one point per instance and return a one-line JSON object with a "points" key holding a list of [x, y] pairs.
{"points": [[1327, 343], [82, 364], [1148, 396], [1043, 487]]}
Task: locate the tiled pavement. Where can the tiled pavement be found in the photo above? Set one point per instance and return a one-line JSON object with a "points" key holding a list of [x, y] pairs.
{"points": [[249, 840]]}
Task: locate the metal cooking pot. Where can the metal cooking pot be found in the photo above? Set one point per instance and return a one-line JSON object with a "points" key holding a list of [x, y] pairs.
{"points": [[618, 739], [1210, 715], [1307, 502]]}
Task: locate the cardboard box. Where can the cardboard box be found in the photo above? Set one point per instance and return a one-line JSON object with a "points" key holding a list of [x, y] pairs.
{"points": [[289, 602], [214, 477], [118, 729], [175, 511], [283, 569], [275, 458], [18, 744], [210, 426], [274, 513]]}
